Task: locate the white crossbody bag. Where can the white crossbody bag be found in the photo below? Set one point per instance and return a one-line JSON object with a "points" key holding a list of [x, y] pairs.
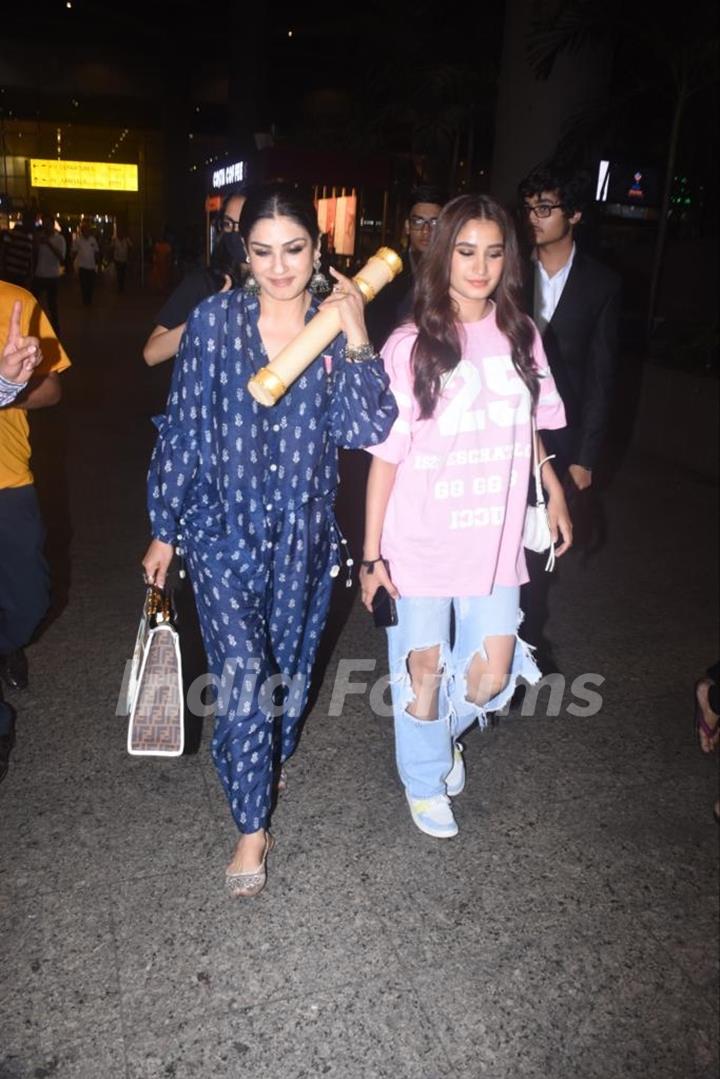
{"points": [[536, 533]]}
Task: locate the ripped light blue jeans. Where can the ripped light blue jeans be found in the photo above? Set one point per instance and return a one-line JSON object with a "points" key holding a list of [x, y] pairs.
{"points": [[424, 748]]}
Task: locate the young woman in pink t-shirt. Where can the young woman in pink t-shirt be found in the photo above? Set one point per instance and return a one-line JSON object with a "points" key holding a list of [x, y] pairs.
{"points": [[447, 496]]}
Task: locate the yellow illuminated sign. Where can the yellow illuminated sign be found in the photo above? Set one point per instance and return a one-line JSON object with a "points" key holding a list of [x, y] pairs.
{"points": [[99, 175]]}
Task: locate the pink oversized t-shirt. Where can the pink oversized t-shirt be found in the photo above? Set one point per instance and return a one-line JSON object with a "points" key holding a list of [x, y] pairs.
{"points": [[454, 521]]}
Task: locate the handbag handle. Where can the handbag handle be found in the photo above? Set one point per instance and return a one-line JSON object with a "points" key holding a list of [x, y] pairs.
{"points": [[537, 465], [157, 604]]}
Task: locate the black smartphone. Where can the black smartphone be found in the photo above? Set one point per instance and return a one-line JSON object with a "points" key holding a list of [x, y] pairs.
{"points": [[384, 609]]}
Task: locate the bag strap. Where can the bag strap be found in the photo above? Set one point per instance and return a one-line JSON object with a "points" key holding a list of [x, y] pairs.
{"points": [[537, 465]]}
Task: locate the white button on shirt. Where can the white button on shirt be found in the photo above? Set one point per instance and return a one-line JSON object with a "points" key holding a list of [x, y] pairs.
{"points": [[548, 291]]}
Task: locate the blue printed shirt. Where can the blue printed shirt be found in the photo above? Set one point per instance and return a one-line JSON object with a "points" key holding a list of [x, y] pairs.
{"points": [[224, 465]]}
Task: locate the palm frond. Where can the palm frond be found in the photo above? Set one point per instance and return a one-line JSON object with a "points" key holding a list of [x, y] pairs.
{"points": [[576, 25]]}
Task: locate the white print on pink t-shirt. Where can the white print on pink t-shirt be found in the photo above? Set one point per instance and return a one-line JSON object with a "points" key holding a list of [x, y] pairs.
{"points": [[501, 378], [454, 520]]}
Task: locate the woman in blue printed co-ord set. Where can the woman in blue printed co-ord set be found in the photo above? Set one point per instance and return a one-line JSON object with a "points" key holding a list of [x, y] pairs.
{"points": [[247, 493]]}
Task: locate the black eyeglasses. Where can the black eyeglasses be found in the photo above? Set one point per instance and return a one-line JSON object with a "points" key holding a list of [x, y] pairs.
{"points": [[543, 209], [228, 224], [419, 223]]}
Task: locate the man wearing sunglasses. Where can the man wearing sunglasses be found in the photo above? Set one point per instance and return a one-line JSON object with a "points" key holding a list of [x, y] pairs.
{"points": [[200, 282], [394, 304]]}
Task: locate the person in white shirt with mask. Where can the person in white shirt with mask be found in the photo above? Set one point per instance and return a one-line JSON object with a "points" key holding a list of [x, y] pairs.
{"points": [[87, 256]]}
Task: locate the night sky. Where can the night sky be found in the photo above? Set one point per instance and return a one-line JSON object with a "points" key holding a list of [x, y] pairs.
{"points": [[375, 78]]}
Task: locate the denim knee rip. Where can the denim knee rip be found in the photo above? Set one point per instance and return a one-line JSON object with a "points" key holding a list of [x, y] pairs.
{"points": [[522, 665], [402, 688]]}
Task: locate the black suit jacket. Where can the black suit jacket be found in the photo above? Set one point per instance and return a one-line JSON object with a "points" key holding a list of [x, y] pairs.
{"points": [[581, 342]]}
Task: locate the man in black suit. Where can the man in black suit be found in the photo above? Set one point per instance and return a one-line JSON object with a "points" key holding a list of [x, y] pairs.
{"points": [[394, 304], [575, 302]]}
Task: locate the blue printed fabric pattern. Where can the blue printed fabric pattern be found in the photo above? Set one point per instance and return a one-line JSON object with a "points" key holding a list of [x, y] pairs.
{"points": [[9, 390], [248, 494]]}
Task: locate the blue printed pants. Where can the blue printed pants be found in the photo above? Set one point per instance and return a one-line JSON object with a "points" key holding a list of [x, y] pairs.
{"points": [[261, 632]]}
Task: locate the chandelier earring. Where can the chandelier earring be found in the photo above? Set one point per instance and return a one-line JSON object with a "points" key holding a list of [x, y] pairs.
{"points": [[250, 285], [319, 284]]}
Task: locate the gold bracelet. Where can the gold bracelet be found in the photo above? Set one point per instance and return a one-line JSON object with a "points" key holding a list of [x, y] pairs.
{"points": [[366, 288]]}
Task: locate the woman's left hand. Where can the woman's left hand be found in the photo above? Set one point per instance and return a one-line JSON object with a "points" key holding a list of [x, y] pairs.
{"points": [[560, 522], [348, 299]]}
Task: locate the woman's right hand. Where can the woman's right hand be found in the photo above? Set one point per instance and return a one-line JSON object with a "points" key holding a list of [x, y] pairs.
{"points": [[156, 562], [370, 582]]}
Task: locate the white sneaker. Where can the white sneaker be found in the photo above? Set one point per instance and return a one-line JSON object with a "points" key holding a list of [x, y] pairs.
{"points": [[433, 816], [455, 779]]}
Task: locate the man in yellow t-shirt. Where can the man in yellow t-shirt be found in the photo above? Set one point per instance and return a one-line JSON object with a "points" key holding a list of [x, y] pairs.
{"points": [[24, 578]]}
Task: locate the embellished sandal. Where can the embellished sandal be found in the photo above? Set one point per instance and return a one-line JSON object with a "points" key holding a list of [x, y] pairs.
{"points": [[247, 885]]}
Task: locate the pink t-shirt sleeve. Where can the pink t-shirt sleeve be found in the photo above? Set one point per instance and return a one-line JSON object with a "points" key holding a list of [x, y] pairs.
{"points": [[550, 414], [396, 358]]}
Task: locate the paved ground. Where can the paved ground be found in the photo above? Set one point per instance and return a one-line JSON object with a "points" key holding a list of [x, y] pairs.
{"points": [[569, 932]]}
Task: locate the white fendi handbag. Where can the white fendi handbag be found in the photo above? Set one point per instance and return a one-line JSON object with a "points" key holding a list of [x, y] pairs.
{"points": [[155, 699]]}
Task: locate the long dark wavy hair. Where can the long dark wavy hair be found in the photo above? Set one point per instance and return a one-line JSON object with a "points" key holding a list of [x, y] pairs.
{"points": [[438, 346]]}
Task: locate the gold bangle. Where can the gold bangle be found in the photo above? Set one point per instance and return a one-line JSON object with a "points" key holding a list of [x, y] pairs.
{"points": [[367, 290], [266, 387], [391, 259]]}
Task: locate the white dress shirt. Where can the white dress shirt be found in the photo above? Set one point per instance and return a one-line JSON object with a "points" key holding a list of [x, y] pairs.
{"points": [[548, 290]]}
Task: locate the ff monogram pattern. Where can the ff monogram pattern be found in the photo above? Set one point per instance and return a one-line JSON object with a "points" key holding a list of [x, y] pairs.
{"points": [[156, 722]]}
